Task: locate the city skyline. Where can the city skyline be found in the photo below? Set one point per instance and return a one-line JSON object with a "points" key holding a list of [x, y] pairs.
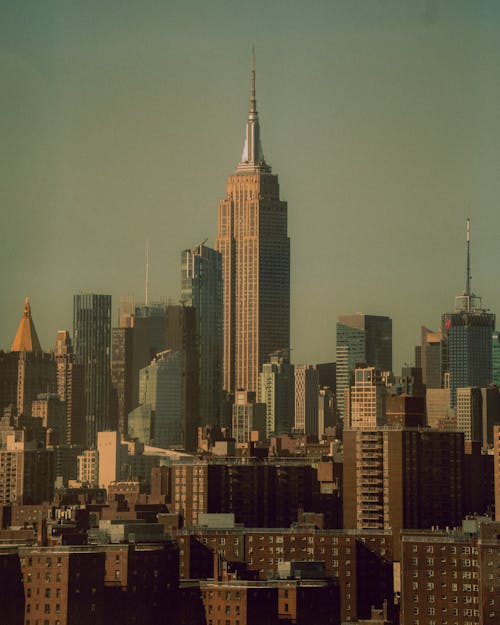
{"points": [[368, 130]]}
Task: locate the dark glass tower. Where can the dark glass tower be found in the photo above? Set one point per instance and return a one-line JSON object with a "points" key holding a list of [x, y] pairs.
{"points": [[467, 332], [92, 345], [202, 290], [361, 338]]}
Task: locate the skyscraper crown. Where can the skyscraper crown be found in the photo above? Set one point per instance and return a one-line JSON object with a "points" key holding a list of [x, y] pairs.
{"points": [[252, 159], [26, 339]]}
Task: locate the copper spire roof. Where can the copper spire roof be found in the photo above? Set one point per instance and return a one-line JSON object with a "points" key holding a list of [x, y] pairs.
{"points": [[26, 339]]}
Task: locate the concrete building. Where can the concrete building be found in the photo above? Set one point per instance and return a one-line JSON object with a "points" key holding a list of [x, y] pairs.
{"points": [[361, 338], [326, 410], [202, 289], [397, 478], [433, 358], [92, 345], [277, 392], [26, 473], [249, 418], [252, 238], [109, 452], [88, 468], [306, 399], [365, 402], [437, 402], [469, 413]]}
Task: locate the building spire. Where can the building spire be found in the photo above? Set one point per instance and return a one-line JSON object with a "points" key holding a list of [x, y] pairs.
{"points": [[468, 277], [252, 159], [253, 99], [467, 301], [26, 339]]}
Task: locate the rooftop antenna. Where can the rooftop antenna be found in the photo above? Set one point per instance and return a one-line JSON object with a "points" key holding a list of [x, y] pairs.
{"points": [[147, 273], [253, 103], [469, 277]]}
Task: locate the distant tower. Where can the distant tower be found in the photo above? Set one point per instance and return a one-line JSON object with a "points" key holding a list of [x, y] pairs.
{"points": [[277, 392], [361, 339], [92, 344], [306, 399], [366, 407], [70, 388], [36, 370], [202, 289], [252, 238], [158, 420], [468, 331]]}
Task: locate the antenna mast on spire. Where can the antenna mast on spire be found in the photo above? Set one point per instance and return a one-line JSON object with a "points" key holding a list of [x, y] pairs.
{"points": [[467, 282], [253, 100], [147, 272]]}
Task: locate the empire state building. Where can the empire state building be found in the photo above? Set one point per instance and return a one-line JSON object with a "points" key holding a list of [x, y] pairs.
{"points": [[252, 238]]}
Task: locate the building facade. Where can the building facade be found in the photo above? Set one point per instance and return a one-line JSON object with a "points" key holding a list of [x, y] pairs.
{"points": [[201, 288], [306, 399], [277, 392], [92, 345]]}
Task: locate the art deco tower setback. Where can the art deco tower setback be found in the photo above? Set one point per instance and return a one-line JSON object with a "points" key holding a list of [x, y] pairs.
{"points": [[252, 238]]}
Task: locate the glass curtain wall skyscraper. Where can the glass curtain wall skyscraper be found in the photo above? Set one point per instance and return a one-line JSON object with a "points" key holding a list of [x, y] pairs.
{"points": [[202, 289], [361, 339], [92, 346], [252, 238]]}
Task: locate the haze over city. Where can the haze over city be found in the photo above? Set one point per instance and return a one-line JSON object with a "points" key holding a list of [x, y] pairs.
{"points": [[121, 122]]}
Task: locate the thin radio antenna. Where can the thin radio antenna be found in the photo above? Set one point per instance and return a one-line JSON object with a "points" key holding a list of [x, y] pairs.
{"points": [[147, 272]]}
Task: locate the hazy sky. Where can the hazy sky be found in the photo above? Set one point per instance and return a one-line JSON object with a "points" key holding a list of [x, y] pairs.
{"points": [[120, 121]]}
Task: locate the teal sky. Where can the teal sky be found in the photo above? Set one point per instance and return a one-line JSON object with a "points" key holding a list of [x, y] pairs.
{"points": [[120, 121]]}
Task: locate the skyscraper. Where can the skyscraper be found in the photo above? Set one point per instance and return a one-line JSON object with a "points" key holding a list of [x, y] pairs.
{"points": [[92, 345], [252, 238], [306, 399], [496, 358], [159, 418], [70, 388], [468, 331], [361, 339], [277, 392], [202, 290]]}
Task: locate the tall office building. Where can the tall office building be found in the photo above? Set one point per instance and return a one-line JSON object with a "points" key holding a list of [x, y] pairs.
{"points": [[433, 358], [361, 339], [306, 399], [92, 345], [468, 331], [277, 392], [496, 358], [252, 238], [159, 418], [122, 375], [202, 289], [182, 335], [70, 389]]}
